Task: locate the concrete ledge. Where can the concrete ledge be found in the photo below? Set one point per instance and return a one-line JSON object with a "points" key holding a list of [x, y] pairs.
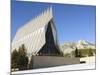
{"points": [[52, 61]]}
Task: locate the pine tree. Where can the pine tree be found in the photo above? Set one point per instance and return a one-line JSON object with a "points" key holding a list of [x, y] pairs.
{"points": [[90, 52], [31, 62], [22, 58], [76, 52], [14, 58]]}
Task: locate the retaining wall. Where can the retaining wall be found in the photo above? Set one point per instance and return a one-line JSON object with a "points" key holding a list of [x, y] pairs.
{"points": [[52, 61]]}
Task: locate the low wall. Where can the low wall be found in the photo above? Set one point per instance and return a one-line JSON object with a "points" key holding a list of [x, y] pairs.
{"points": [[52, 61]]}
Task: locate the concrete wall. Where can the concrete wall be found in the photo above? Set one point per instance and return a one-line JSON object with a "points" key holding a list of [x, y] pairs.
{"points": [[52, 61]]}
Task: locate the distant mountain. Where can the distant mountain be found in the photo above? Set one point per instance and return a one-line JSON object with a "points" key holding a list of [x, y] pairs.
{"points": [[68, 47], [82, 44]]}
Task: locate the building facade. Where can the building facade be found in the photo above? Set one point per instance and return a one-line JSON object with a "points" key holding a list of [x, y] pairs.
{"points": [[39, 36]]}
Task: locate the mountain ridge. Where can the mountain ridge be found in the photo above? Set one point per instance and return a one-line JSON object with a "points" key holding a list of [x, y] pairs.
{"points": [[68, 47]]}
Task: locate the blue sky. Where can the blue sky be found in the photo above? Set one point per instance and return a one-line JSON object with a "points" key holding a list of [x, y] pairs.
{"points": [[73, 22]]}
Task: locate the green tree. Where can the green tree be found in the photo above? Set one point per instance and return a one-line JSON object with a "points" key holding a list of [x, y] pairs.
{"points": [[31, 62], [80, 54], [90, 52], [14, 58], [22, 58], [76, 52]]}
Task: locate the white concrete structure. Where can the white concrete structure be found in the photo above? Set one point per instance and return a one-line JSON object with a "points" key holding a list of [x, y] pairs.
{"points": [[35, 34]]}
